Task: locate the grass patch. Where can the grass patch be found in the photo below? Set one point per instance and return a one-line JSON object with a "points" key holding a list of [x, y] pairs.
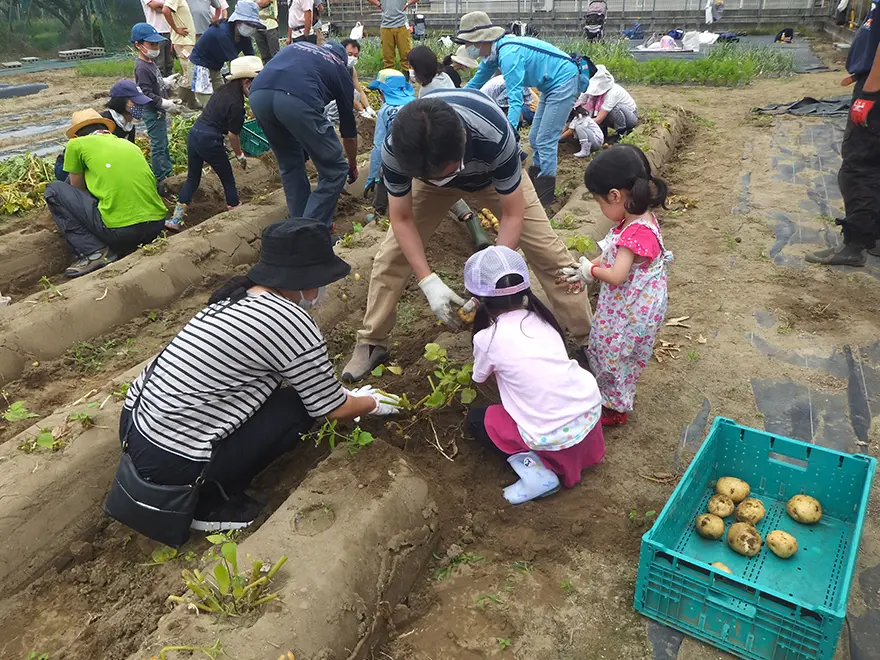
{"points": [[726, 65], [88, 358], [115, 68]]}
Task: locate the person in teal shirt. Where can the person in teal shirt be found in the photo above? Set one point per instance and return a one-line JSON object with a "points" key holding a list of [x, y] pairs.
{"points": [[110, 205], [526, 62]]}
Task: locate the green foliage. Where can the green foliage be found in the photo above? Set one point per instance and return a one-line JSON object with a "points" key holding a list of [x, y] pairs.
{"points": [[44, 440], [451, 380], [642, 521], [33, 655], [354, 441], [120, 392], [88, 358], [86, 420], [444, 572], [115, 68], [568, 588], [17, 411], [568, 221], [23, 180], [582, 244], [503, 642], [51, 290], [177, 135], [156, 246], [225, 590]]}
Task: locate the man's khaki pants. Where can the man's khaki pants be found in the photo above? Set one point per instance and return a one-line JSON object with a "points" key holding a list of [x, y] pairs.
{"points": [[543, 249], [398, 38]]}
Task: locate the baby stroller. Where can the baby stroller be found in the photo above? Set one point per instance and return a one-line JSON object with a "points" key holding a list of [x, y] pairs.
{"points": [[420, 28], [594, 19]]}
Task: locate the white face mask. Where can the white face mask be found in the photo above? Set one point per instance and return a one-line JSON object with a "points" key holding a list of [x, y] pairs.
{"points": [[352, 60], [473, 51], [447, 179], [246, 30], [151, 53], [307, 304], [412, 76]]}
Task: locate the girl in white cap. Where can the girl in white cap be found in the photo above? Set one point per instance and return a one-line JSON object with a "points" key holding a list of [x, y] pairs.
{"points": [[548, 420], [609, 104]]}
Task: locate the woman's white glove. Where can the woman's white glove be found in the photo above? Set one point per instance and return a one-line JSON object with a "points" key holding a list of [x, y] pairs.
{"points": [[441, 299], [579, 273], [386, 404]]}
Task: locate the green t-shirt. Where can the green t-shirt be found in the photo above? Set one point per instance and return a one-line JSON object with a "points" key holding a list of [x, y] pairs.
{"points": [[117, 173]]}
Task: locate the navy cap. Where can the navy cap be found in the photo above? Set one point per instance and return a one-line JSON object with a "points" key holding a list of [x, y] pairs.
{"points": [[128, 90], [337, 49], [145, 32]]}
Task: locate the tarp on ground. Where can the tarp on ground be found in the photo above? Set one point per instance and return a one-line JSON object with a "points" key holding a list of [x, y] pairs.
{"points": [[837, 106]]}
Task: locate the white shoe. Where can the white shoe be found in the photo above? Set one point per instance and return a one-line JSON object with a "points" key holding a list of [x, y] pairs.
{"points": [[535, 479]]}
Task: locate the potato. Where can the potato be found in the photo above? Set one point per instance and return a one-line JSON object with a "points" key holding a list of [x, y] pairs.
{"points": [[710, 526], [721, 505], [804, 509], [750, 511], [735, 489], [722, 567], [782, 544], [744, 539]]}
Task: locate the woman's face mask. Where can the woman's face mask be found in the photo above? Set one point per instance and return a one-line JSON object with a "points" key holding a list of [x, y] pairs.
{"points": [[473, 51], [307, 304], [246, 30], [136, 111]]}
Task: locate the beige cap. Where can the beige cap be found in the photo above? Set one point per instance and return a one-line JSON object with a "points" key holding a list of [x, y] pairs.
{"points": [[247, 66]]}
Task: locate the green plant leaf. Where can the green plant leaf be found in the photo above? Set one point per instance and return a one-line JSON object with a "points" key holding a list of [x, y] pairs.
{"points": [[396, 370], [468, 394], [237, 591], [378, 371], [221, 574], [216, 539], [434, 352], [436, 399], [356, 228], [163, 555], [46, 440], [364, 438], [228, 550], [463, 377], [17, 411]]}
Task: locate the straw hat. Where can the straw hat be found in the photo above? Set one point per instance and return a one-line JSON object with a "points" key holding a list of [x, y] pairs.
{"points": [[600, 82], [477, 27], [247, 66], [461, 57], [83, 118]]}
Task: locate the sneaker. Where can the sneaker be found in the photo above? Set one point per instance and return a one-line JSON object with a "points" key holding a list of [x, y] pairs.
{"points": [[238, 512], [365, 358], [613, 417], [536, 480], [175, 222], [90, 263], [845, 255]]}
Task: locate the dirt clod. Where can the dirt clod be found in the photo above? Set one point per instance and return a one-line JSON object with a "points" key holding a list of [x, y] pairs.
{"points": [[577, 529], [82, 551]]}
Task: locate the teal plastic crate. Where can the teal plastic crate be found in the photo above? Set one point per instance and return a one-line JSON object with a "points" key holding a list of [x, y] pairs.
{"points": [[253, 140], [770, 608]]}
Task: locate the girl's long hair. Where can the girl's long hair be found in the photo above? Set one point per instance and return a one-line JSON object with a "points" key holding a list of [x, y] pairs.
{"points": [[491, 306], [625, 167]]}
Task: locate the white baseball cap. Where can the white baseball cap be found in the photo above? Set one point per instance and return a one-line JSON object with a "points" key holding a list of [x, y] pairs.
{"points": [[483, 270]]}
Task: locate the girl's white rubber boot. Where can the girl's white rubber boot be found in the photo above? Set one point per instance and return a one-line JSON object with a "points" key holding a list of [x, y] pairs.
{"points": [[535, 479]]}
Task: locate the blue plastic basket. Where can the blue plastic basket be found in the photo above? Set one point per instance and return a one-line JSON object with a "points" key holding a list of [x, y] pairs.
{"points": [[770, 608], [253, 140]]}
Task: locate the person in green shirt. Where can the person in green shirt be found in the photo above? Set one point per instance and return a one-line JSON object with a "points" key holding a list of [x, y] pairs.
{"points": [[110, 205]]}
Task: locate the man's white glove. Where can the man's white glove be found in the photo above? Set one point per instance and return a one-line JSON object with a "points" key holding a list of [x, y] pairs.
{"points": [[242, 160], [441, 299], [580, 273], [172, 80], [386, 404]]}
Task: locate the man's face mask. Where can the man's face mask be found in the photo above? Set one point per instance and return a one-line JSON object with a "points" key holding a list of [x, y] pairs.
{"points": [[352, 60], [447, 179], [246, 30]]}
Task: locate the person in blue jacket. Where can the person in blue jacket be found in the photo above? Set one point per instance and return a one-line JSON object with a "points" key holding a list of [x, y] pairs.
{"points": [[221, 43], [397, 92], [526, 62], [859, 175]]}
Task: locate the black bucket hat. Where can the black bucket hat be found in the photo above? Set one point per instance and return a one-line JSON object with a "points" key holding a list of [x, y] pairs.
{"points": [[297, 255]]}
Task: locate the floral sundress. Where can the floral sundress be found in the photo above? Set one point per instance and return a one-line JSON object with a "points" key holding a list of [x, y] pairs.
{"points": [[627, 319]]}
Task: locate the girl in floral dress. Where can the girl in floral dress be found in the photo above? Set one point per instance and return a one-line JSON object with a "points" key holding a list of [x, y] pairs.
{"points": [[632, 272]]}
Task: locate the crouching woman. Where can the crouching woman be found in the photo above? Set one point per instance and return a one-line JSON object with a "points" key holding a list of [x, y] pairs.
{"points": [[240, 384]]}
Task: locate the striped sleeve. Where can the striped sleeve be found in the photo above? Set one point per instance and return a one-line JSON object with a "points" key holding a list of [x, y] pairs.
{"points": [[397, 183], [506, 170]]}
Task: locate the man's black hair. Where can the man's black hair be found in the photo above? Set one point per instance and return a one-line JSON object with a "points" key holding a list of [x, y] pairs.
{"points": [[91, 128], [427, 136], [351, 42]]}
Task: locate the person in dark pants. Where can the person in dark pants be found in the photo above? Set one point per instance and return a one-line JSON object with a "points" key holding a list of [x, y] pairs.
{"points": [[267, 40], [223, 115], [110, 205], [244, 380], [859, 175], [288, 99], [153, 15]]}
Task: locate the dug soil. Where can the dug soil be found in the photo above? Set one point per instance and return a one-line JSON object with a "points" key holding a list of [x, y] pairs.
{"points": [[552, 578]]}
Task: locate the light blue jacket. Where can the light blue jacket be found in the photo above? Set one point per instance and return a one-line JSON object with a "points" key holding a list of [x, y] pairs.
{"points": [[525, 62], [385, 116]]}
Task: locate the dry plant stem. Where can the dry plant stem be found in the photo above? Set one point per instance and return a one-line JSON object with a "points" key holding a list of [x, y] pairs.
{"points": [[436, 444]]}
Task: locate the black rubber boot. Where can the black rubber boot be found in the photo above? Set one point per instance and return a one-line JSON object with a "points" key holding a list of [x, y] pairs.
{"points": [[846, 255], [875, 251], [545, 186], [534, 171]]}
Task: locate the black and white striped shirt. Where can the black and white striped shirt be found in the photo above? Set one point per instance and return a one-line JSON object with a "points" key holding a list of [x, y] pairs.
{"points": [[491, 149], [222, 367]]}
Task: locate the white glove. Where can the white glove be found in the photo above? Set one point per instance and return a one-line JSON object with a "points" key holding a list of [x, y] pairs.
{"points": [[441, 299], [242, 160], [368, 113], [172, 80], [386, 404], [580, 273], [167, 104]]}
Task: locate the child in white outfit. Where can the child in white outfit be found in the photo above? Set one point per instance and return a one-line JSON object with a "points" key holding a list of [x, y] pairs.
{"points": [[586, 130]]}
